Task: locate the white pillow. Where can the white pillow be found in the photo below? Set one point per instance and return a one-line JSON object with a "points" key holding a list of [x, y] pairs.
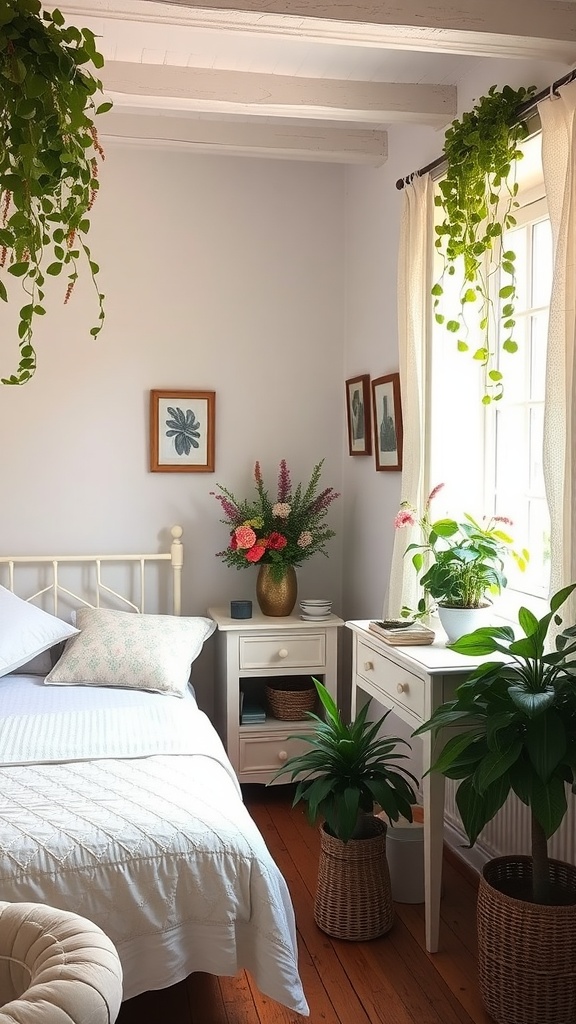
{"points": [[26, 631], [142, 652]]}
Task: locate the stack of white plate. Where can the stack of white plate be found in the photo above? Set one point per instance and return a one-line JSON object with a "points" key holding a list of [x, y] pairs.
{"points": [[315, 610]]}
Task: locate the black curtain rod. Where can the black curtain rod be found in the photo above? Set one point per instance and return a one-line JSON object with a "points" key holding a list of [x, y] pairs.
{"points": [[523, 110]]}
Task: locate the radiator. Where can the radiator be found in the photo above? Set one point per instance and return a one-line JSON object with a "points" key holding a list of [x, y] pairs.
{"points": [[509, 831]]}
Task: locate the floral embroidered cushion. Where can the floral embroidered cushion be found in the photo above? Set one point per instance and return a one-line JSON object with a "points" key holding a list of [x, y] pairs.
{"points": [[143, 652]]}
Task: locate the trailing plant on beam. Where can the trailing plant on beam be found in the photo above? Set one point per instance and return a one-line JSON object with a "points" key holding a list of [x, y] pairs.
{"points": [[478, 197], [49, 152]]}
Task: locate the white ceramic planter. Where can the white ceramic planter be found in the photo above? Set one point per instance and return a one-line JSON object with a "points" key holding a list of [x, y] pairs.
{"points": [[456, 622]]}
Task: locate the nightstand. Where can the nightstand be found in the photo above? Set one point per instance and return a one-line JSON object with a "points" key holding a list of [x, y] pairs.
{"points": [[248, 653]]}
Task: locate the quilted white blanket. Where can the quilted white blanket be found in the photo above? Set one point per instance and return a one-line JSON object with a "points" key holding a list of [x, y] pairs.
{"points": [[157, 850]]}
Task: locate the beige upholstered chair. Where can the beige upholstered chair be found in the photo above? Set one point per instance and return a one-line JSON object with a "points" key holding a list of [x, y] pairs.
{"points": [[56, 968]]}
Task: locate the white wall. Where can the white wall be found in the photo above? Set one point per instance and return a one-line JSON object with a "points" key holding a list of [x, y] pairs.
{"points": [[220, 273]]}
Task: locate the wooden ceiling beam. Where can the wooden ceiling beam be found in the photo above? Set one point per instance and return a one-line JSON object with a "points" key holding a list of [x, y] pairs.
{"points": [[333, 145], [200, 89], [534, 29]]}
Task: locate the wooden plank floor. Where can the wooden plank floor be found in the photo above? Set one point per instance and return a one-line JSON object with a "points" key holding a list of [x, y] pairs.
{"points": [[391, 980]]}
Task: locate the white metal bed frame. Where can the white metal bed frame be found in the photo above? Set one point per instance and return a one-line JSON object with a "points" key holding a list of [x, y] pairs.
{"points": [[175, 556]]}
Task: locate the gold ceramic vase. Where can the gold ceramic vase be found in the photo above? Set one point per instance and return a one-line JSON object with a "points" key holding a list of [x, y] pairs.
{"points": [[276, 597]]}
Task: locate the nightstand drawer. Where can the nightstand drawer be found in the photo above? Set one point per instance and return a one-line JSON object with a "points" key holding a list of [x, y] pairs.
{"points": [[391, 680], [268, 753], [283, 651]]}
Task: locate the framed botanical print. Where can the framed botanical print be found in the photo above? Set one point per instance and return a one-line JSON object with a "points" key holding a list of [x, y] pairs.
{"points": [[387, 420], [182, 431], [358, 415]]}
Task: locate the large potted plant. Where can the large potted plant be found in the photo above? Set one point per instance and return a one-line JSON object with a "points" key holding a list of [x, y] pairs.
{"points": [[348, 769], [515, 721], [461, 565], [48, 160]]}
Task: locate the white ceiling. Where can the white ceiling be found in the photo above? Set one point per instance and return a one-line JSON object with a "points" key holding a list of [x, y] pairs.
{"points": [[294, 77]]}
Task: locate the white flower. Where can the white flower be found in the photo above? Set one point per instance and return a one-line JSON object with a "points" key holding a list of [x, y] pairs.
{"points": [[281, 510], [305, 539]]}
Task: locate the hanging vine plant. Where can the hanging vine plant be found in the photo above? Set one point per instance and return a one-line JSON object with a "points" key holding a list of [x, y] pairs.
{"points": [[49, 152], [478, 197]]}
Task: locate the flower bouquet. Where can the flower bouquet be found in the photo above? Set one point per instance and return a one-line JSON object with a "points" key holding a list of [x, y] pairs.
{"points": [[279, 531]]}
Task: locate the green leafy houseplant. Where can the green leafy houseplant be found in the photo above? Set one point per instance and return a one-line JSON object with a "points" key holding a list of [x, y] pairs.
{"points": [[347, 769], [519, 714], [477, 197], [48, 159], [461, 562]]}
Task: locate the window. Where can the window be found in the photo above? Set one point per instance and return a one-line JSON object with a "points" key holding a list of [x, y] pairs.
{"points": [[490, 457]]}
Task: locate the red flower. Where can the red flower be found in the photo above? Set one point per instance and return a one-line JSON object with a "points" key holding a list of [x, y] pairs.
{"points": [[277, 541], [255, 553]]}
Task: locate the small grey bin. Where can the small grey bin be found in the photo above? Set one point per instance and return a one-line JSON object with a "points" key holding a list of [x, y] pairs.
{"points": [[405, 855]]}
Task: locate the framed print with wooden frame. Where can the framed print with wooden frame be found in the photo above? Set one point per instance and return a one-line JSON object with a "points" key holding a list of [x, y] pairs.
{"points": [[387, 420], [182, 431], [358, 415]]}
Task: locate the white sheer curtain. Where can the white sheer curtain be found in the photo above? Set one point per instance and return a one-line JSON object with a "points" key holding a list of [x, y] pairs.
{"points": [[414, 304], [558, 116]]}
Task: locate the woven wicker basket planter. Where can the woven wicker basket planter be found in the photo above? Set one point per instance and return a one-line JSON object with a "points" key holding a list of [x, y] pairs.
{"points": [[526, 951], [290, 699], [353, 896]]}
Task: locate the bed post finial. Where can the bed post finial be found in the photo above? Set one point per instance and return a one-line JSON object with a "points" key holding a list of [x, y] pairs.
{"points": [[177, 557]]}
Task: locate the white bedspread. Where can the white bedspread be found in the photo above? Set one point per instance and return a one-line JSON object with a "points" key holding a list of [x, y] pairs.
{"points": [[158, 850]]}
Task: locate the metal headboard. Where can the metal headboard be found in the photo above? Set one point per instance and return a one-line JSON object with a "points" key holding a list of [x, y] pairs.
{"points": [[99, 589]]}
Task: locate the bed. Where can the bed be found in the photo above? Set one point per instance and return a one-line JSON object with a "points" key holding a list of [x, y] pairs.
{"points": [[117, 799]]}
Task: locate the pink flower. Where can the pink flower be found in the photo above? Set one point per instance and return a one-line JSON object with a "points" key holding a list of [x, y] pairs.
{"points": [[503, 519], [305, 539], [436, 490], [257, 473], [405, 517], [281, 510], [277, 541], [255, 553], [245, 536]]}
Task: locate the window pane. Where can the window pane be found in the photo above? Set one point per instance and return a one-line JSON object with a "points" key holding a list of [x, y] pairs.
{"points": [[511, 468], [539, 344], [517, 241], [536, 444]]}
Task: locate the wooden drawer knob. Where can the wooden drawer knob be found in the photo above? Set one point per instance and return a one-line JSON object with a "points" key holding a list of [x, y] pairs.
{"points": [[368, 666], [283, 755], [401, 687], [283, 653]]}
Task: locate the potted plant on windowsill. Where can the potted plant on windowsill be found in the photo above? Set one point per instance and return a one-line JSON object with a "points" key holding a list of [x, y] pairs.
{"points": [[519, 736], [348, 769], [462, 565]]}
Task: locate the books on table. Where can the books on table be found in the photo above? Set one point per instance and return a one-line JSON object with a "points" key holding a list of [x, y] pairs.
{"points": [[402, 633]]}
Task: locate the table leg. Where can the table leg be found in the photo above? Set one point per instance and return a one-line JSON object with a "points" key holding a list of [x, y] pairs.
{"points": [[433, 786]]}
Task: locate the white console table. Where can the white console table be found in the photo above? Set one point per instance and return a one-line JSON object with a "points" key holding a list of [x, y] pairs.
{"points": [[414, 681]]}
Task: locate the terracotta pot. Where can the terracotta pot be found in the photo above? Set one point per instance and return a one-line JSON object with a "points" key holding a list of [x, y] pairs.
{"points": [[276, 597]]}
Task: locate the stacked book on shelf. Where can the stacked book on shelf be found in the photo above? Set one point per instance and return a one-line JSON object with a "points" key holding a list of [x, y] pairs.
{"points": [[401, 632], [251, 712]]}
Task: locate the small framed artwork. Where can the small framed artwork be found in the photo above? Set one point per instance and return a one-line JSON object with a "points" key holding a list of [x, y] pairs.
{"points": [[358, 413], [182, 431], [387, 419]]}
